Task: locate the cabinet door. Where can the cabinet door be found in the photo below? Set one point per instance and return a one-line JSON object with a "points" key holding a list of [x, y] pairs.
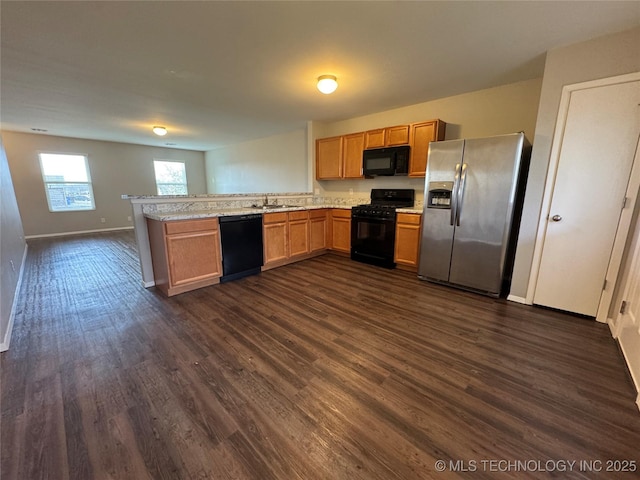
{"points": [[318, 230], [407, 240], [398, 135], [341, 234], [420, 136], [375, 138], [275, 242], [193, 257], [329, 158], [353, 148], [298, 231]]}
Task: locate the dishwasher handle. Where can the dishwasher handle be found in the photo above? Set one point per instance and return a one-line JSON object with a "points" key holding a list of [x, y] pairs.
{"points": [[240, 218]]}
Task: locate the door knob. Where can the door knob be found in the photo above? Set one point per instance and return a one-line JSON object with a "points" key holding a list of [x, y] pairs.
{"points": [[556, 218]]}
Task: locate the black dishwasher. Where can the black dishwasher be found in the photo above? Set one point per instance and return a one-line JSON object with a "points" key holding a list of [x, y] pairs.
{"points": [[241, 238]]}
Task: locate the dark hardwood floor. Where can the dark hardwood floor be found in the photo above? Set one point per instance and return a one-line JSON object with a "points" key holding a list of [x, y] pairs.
{"points": [[325, 369]]}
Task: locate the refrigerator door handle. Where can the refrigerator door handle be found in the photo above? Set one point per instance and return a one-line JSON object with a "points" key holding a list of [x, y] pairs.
{"points": [[460, 193], [454, 195]]}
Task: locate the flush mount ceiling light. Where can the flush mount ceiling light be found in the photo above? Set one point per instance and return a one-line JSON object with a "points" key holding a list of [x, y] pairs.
{"points": [[161, 131], [327, 84]]}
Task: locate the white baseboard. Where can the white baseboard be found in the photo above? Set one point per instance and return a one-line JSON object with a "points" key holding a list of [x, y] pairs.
{"points": [[612, 327], [515, 298], [79, 232], [4, 346], [148, 284]]}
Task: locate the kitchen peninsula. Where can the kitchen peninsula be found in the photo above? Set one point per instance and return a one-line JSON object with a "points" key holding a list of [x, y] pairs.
{"points": [[296, 226]]}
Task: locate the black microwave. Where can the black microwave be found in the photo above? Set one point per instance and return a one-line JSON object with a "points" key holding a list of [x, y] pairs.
{"points": [[386, 161]]}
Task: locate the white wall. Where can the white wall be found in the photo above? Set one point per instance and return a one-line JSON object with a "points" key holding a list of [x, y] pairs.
{"points": [[500, 110], [598, 58], [116, 169], [276, 164], [12, 249]]}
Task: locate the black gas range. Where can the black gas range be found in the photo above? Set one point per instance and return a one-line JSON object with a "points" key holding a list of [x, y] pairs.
{"points": [[373, 226]]}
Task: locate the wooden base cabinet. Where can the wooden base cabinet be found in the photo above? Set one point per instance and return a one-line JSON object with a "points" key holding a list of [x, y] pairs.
{"points": [[408, 232], [298, 232], [185, 254], [292, 236], [341, 230], [318, 230], [274, 237]]}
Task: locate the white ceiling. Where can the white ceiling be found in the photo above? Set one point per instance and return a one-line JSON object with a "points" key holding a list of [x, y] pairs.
{"points": [[218, 73]]}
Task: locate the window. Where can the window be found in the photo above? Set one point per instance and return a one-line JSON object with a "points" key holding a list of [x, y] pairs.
{"points": [[171, 177], [67, 182]]}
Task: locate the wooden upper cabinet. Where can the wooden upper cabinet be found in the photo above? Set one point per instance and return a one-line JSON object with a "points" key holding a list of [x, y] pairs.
{"points": [[341, 157], [329, 163], [353, 145], [387, 137], [374, 138], [398, 135], [421, 134]]}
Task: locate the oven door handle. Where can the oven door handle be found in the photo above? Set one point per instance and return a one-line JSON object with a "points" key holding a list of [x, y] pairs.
{"points": [[374, 219]]}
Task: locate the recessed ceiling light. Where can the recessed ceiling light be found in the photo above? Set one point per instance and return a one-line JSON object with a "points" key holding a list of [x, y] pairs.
{"points": [[158, 130], [327, 84]]}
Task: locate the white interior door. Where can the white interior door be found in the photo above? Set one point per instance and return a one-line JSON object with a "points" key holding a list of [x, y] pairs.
{"points": [[627, 324], [596, 152]]}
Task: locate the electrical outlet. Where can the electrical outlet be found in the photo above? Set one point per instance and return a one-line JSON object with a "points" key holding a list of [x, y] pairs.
{"points": [[103, 220], [351, 191], [129, 218], [316, 191]]}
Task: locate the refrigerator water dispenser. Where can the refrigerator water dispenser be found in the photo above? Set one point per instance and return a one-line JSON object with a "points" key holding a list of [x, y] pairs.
{"points": [[439, 195]]}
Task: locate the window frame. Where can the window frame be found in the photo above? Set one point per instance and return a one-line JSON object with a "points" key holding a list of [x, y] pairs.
{"points": [[46, 183], [155, 175]]}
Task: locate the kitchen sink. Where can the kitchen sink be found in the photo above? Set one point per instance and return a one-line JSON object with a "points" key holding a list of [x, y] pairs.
{"points": [[271, 207]]}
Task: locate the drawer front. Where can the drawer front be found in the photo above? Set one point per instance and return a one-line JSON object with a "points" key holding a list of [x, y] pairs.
{"points": [[411, 218], [321, 213], [278, 217], [298, 215], [186, 226], [341, 213]]}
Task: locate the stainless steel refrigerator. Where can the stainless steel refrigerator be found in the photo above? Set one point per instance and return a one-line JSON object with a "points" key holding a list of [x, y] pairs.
{"points": [[472, 204]]}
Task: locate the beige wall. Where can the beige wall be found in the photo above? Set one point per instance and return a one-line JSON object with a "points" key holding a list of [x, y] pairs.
{"points": [[275, 164], [500, 110], [12, 249], [598, 58], [116, 169]]}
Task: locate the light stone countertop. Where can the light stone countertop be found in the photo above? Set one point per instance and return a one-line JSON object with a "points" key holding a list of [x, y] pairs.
{"points": [[409, 210], [226, 212]]}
